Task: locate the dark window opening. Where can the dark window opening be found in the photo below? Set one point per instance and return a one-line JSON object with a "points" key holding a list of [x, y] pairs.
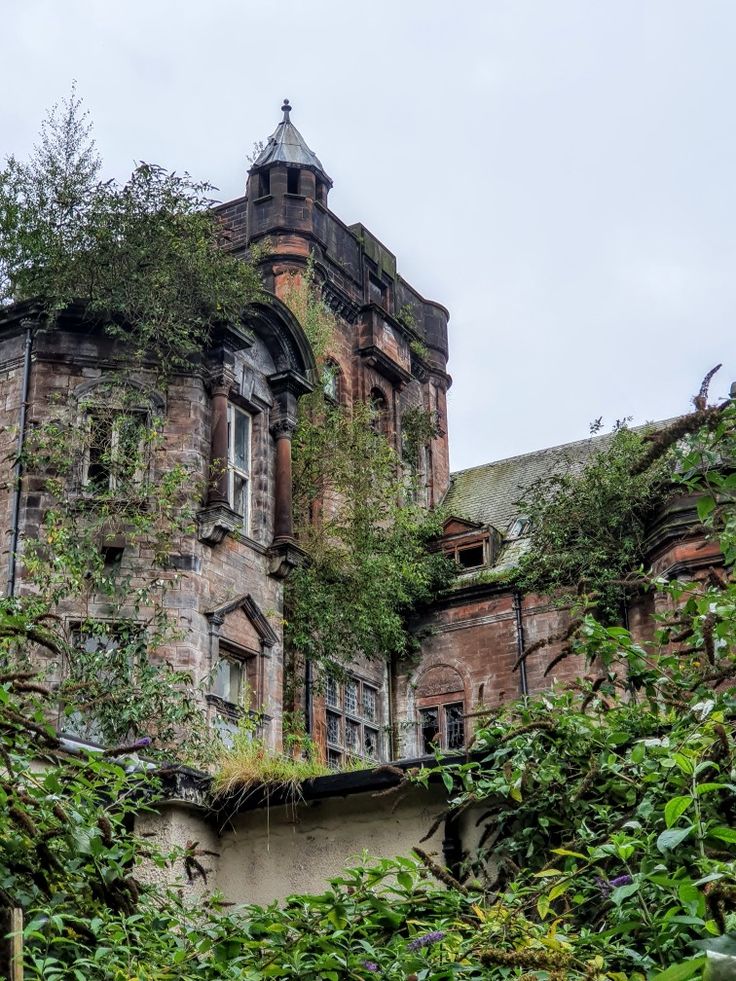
{"points": [[115, 450], [112, 555], [470, 558], [430, 726], [454, 726], [264, 183], [292, 181], [376, 291], [442, 727]]}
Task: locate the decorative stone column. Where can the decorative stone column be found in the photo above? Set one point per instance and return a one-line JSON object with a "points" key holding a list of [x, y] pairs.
{"points": [[283, 531], [287, 388], [219, 389]]}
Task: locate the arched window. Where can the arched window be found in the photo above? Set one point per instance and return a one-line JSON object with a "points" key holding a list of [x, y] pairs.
{"points": [[379, 407], [331, 380]]}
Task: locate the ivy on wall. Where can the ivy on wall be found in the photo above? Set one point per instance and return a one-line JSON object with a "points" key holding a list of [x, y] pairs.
{"points": [[369, 561]]}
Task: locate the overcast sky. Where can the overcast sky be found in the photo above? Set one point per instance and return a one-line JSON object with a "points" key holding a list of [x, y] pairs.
{"points": [[561, 174]]}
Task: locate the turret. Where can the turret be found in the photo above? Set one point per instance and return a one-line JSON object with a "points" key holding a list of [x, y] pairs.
{"points": [[285, 181]]}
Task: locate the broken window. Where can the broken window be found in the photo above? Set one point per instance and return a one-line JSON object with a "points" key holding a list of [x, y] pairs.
{"points": [[115, 447], [471, 558], [442, 727], [376, 291]]}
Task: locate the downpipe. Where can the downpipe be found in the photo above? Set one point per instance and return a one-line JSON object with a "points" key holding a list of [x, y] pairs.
{"points": [[523, 683], [18, 469]]}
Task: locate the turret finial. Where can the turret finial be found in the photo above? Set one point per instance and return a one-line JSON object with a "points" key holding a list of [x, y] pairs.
{"points": [[286, 109]]}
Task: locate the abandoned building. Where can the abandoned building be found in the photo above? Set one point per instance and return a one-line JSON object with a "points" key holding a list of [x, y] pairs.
{"points": [[237, 408]]}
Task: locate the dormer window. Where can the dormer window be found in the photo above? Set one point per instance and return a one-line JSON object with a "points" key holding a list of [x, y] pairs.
{"points": [[472, 557], [473, 551], [518, 528], [292, 180]]}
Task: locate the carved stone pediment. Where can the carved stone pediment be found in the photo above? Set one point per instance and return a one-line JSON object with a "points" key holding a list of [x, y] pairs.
{"points": [[246, 605]]}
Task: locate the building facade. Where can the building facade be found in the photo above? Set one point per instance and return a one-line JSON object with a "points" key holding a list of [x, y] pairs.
{"points": [[230, 419]]}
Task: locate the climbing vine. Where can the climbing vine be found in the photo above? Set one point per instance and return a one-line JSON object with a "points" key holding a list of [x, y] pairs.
{"points": [[369, 562]]}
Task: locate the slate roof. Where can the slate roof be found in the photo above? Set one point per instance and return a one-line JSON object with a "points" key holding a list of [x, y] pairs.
{"points": [[490, 493], [287, 145]]}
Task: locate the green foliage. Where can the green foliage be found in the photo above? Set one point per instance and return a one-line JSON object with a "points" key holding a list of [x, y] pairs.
{"points": [[588, 525], [418, 428], [105, 622], [369, 561], [608, 811], [146, 257]]}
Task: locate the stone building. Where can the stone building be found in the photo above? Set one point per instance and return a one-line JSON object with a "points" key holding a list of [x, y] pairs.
{"points": [[233, 415]]}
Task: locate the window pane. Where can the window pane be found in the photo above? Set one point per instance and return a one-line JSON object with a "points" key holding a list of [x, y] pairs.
{"points": [[352, 736], [240, 494], [369, 703], [227, 681], [99, 452], [351, 696], [370, 742], [333, 728], [332, 692], [429, 726], [334, 759], [241, 441], [128, 433], [454, 726]]}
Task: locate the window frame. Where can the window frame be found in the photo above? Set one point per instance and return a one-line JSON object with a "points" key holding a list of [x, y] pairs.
{"points": [[338, 750], [94, 411], [235, 472], [442, 708]]}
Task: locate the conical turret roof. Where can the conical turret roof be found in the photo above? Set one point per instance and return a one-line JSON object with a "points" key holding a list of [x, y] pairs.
{"points": [[287, 145]]}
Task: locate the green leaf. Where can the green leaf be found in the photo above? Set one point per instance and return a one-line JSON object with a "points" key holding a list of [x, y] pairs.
{"points": [[681, 971], [706, 505], [669, 840], [723, 834], [623, 892], [675, 808]]}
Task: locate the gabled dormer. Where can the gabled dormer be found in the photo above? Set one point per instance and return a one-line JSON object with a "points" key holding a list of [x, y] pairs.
{"points": [[471, 544]]}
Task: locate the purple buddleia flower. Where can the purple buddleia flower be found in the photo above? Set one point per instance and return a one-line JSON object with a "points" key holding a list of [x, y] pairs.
{"points": [[370, 966], [427, 940], [607, 887], [142, 742], [621, 880]]}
